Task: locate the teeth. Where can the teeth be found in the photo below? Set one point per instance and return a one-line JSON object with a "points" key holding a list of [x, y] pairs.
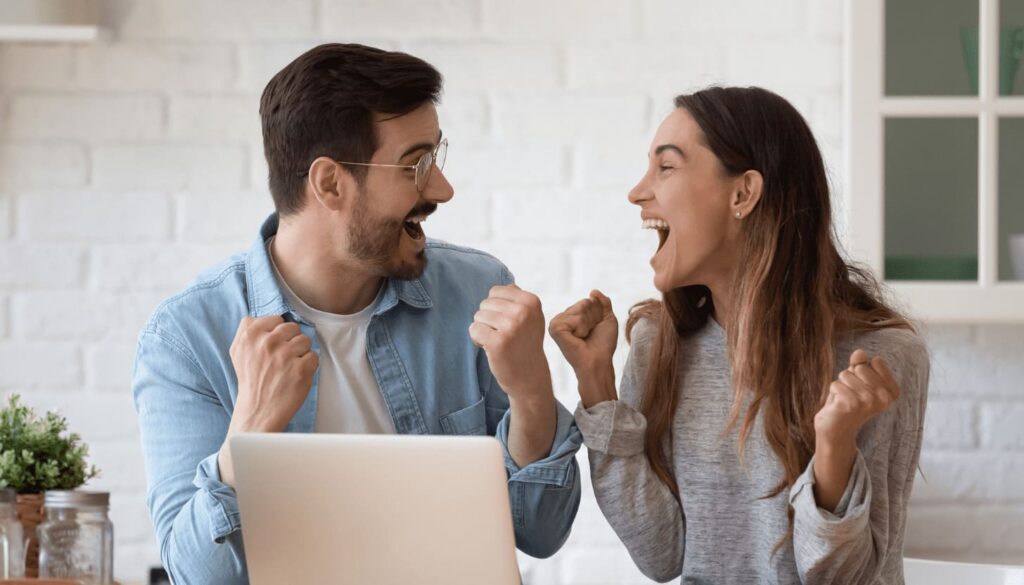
{"points": [[416, 220], [655, 224]]}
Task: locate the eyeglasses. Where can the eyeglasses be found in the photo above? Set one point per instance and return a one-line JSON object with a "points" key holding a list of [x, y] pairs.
{"points": [[423, 166]]}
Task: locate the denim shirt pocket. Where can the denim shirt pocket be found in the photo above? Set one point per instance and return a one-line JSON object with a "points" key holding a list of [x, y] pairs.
{"points": [[471, 420]]}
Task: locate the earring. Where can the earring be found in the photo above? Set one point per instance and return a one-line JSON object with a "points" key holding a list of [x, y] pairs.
{"points": [[738, 215]]}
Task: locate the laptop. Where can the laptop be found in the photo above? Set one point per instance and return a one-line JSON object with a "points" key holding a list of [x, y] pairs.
{"points": [[374, 509]]}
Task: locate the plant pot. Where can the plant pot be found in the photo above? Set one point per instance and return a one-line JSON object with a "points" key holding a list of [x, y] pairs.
{"points": [[30, 514]]}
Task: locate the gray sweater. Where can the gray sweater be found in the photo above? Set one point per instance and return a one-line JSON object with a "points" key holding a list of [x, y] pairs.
{"points": [[722, 530]]}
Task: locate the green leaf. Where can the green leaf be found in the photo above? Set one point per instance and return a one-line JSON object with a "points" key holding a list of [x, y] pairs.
{"points": [[38, 453]]}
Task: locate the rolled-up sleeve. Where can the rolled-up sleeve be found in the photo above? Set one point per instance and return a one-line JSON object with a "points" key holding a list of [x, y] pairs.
{"points": [[861, 541], [545, 494], [641, 509]]}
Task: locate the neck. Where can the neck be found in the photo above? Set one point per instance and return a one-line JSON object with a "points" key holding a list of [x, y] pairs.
{"points": [[722, 294], [305, 256]]}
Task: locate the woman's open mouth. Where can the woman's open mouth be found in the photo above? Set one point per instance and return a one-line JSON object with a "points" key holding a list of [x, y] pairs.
{"points": [[661, 226]]}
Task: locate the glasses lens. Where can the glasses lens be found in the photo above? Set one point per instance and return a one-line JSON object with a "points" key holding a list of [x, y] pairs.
{"points": [[423, 170], [427, 162], [441, 153]]}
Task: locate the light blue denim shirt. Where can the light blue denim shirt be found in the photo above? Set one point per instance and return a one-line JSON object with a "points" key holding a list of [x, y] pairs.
{"points": [[433, 379]]}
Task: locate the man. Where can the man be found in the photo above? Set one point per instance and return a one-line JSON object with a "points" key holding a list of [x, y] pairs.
{"points": [[343, 318]]}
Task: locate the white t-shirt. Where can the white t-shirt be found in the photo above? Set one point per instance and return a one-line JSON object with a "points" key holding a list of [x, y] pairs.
{"points": [[348, 397]]}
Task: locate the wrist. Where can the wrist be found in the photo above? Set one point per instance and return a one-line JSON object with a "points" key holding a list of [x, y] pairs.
{"points": [[596, 384], [839, 448], [533, 384], [538, 398], [244, 420]]}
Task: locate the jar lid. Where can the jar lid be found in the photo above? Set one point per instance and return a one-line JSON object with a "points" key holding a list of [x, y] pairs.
{"points": [[76, 499], [8, 496]]}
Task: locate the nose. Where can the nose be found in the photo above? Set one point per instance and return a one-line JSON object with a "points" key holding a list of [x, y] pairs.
{"points": [[641, 192], [438, 189]]}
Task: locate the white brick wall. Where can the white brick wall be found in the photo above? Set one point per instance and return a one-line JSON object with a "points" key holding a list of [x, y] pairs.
{"points": [[129, 164]]}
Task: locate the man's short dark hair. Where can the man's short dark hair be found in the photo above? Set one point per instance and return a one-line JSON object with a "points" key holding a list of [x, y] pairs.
{"points": [[323, 104]]}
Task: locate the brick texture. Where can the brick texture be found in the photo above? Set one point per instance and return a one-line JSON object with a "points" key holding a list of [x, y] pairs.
{"points": [[129, 164]]}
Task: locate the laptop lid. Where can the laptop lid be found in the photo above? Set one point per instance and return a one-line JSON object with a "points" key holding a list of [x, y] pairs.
{"points": [[326, 508]]}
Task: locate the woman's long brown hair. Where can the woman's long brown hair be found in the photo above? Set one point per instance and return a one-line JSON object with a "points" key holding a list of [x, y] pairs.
{"points": [[794, 295]]}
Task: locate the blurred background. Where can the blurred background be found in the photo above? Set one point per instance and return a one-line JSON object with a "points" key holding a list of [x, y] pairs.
{"points": [[130, 159]]}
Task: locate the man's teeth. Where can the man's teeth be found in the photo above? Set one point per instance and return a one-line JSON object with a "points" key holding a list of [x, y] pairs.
{"points": [[655, 224], [416, 220]]}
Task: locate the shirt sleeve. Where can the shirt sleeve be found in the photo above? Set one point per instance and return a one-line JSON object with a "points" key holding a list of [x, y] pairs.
{"points": [[183, 424]]}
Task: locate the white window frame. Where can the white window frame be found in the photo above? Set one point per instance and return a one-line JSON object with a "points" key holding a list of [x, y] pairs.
{"points": [[865, 110]]}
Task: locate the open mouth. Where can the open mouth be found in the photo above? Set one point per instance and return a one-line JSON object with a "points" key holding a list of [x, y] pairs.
{"points": [[662, 228], [413, 228]]}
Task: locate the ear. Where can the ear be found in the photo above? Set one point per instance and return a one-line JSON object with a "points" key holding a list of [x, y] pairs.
{"points": [[747, 194], [330, 184]]}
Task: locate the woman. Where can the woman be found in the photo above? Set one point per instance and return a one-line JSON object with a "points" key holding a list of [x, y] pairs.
{"points": [[768, 423]]}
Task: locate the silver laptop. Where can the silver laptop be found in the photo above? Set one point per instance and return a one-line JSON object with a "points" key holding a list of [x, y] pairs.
{"points": [[374, 509]]}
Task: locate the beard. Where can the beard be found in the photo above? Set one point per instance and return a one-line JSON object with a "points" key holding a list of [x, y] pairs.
{"points": [[376, 241]]}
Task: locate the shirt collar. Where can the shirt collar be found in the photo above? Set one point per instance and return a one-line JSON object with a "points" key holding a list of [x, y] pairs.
{"points": [[266, 297]]}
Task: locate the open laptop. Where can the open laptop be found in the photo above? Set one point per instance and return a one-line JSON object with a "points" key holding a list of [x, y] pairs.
{"points": [[374, 509]]}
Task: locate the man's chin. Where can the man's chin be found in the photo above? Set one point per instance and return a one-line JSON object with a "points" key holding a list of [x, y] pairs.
{"points": [[405, 269]]}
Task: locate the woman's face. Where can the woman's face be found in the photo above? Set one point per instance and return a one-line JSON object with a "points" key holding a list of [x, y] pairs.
{"points": [[685, 195]]}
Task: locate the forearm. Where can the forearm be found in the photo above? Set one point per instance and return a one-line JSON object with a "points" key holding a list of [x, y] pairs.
{"points": [[224, 464], [833, 463], [242, 422], [532, 424]]}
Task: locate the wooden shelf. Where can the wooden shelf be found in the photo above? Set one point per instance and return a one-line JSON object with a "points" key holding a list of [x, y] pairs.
{"points": [[49, 32], [49, 20]]}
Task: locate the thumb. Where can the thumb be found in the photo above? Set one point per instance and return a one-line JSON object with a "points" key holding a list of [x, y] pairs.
{"points": [[603, 301], [858, 357], [566, 338]]}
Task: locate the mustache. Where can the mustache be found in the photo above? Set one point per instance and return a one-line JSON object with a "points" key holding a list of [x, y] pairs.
{"points": [[425, 209]]}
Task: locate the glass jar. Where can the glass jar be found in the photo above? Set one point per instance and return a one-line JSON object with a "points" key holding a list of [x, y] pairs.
{"points": [[12, 539], [76, 540]]}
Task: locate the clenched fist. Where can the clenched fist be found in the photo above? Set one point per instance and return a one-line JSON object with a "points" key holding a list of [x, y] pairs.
{"points": [[510, 328], [275, 367], [861, 392], [587, 334]]}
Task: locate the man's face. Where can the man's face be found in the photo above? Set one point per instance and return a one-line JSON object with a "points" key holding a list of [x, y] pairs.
{"points": [[384, 230]]}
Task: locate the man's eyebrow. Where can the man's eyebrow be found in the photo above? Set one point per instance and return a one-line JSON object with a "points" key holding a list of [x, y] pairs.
{"points": [[662, 148], [422, 146]]}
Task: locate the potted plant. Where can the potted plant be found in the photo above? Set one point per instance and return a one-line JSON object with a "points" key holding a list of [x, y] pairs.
{"points": [[38, 454]]}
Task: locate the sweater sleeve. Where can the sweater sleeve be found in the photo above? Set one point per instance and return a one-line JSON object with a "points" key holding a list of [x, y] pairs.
{"points": [[862, 540], [641, 509]]}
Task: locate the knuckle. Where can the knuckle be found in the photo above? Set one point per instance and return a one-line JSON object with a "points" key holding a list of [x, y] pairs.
{"points": [[520, 313]]}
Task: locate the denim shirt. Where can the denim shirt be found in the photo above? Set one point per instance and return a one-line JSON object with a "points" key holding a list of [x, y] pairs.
{"points": [[433, 380]]}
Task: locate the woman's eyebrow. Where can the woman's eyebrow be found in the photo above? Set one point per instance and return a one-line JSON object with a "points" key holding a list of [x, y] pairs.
{"points": [[662, 148]]}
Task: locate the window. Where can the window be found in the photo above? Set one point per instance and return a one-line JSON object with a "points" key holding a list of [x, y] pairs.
{"points": [[935, 153]]}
